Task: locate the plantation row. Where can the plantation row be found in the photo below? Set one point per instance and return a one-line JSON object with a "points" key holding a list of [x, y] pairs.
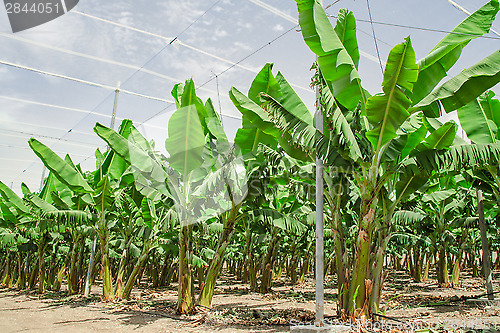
{"points": [[401, 189]]}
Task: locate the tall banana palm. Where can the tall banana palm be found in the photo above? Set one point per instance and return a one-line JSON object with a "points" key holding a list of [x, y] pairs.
{"points": [[388, 152], [203, 176]]}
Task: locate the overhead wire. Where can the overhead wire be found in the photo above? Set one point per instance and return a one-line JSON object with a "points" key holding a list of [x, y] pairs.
{"points": [[116, 91], [90, 83], [170, 43], [422, 29], [21, 100], [88, 56], [177, 41], [227, 69], [27, 148], [169, 39], [24, 134], [374, 37], [280, 13], [31, 125]]}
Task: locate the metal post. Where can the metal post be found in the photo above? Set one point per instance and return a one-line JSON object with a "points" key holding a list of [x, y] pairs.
{"points": [[484, 243], [90, 268], [94, 244], [320, 254], [43, 177], [115, 105]]}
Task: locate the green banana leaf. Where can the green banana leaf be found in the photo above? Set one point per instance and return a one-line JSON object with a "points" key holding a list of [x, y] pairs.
{"points": [[292, 102], [334, 59], [41, 204], [407, 217], [456, 159], [257, 126], [476, 123], [114, 166], [438, 196], [11, 197], [386, 112], [64, 172], [346, 30], [214, 124], [280, 220], [150, 176], [491, 107], [186, 134], [409, 183], [434, 67], [103, 195], [303, 134], [442, 138], [463, 88], [266, 83], [411, 133]]}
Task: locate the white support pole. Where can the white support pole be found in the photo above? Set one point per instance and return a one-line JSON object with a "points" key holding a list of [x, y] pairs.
{"points": [[94, 243], [484, 243], [115, 105], [320, 253], [43, 177]]}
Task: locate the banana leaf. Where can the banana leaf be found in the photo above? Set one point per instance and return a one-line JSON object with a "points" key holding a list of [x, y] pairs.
{"points": [[386, 112], [463, 88], [65, 172], [434, 67]]}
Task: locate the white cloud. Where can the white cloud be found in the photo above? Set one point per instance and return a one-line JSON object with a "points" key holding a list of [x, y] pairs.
{"points": [[279, 28]]}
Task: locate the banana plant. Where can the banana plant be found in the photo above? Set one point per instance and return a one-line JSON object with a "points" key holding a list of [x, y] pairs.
{"points": [[388, 151], [203, 176], [98, 198]]}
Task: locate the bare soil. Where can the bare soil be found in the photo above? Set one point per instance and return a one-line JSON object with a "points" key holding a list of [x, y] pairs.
{"points": [[235, 309]]}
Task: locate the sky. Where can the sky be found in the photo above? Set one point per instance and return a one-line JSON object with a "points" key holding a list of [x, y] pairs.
{"points": [[58, 79]]}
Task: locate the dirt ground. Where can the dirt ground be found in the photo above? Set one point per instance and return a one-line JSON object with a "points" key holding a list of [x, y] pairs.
{"points": [[235, 309]]}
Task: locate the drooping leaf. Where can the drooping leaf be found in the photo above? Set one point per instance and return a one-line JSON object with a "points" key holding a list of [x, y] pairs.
{"points": [[41, 204], [252, 112], [476, 123], [64, 172], [292, 102], [456, 159], [442, 138], [150, 175], [11, 197], [303, 134], [438, 196], [407, 217], [463, 88], [257, 126], [434, 67]]}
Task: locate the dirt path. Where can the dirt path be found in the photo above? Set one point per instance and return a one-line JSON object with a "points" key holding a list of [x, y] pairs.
{"points": [[235, 309], [24, 313]]}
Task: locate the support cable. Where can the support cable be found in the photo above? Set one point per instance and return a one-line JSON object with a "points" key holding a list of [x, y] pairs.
{"points": [[224, 71], [374, 37], [88, 56], [421, 28], [90, 83], [175, 40]]}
